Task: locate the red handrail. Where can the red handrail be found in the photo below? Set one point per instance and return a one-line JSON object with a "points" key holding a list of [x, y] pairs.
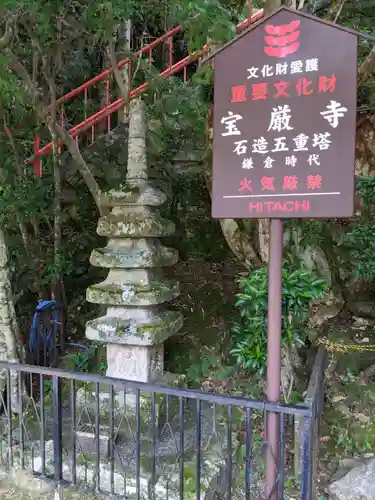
{"points": [[108, 72], [113, 107]]}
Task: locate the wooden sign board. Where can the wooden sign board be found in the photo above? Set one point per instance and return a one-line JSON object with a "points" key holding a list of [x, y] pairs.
{"points": [[285, 121]]}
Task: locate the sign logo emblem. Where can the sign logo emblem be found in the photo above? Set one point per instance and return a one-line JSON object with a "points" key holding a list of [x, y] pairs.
{"points": [[282, 40]]}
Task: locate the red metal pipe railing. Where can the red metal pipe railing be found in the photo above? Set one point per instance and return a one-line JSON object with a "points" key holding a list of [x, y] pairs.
{"points": [[109, 108]]}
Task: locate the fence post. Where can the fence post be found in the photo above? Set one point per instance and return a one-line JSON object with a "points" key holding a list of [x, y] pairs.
{"points": [[57, 428], [306, 429]]}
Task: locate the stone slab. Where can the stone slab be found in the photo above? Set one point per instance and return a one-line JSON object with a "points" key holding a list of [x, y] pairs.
{"points": [[134, 192], [134, 253], [125, 400], [143, 224], [114, 330], [86, 440], [357, 484], [133, 294], [141, 364]]}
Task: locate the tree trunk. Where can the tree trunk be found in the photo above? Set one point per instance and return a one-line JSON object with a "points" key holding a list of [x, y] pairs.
{"points": [[125, 36], [263, 238], [11, 346]]}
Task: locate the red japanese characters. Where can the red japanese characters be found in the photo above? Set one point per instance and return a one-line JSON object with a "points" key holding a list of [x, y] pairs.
{"points": [[283, 89], [288, 183]]}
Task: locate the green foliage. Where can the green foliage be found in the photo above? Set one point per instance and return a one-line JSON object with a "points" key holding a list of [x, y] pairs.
{"points": [[360, 15], [85, 361], [366, 189], [214, 22], [360, 240], [179, 111], [360, 235], [300, 287]]}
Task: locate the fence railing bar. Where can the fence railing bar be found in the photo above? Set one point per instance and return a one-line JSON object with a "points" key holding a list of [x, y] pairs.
{"points": [[229, 451], [248, 446], [21, 427], [97, 436], [170, 391], [138, 443], [9, 418], [182, 445], [57, 428], [281, 465], [42, 424], [153, 450], [111, 443], [73, 416], [198, 438]]}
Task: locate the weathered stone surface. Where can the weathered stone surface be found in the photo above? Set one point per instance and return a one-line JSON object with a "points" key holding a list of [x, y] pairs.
{"points": [[357, 484], [131, 294], [144, 364], [325, 309], [131, 331], [144, 224], [86, 440], [137, 253], [126, 485], [136, 192], [362, 308], [125, 400]]}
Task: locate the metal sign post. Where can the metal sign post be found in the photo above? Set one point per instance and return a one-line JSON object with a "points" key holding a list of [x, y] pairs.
{"points": [[284, 146], [274, 352]]}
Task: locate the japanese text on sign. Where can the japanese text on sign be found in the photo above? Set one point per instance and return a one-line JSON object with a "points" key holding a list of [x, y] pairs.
{"points": [[283, 117]]}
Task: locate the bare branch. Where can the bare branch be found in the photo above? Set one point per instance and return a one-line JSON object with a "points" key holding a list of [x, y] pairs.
{"points": [[55, 128], [23, 75], [6, 39], [83, 169], [339, 11], [116, 72]]}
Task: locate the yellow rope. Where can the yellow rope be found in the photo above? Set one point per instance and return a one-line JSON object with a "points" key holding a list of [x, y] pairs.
{"points": [[338, 347]]}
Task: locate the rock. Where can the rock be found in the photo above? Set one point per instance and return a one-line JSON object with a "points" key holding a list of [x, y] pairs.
{"points": [[315, 260], [357, 484], [345, 465], [338, 397], [362, 419], [360, 323], [327, 308], [362, 308]]}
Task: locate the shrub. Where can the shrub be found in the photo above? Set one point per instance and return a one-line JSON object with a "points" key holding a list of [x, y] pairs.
{"points": [[300, 287]]}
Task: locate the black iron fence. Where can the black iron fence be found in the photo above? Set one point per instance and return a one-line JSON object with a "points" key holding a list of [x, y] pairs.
{"points": [[134, 440]]}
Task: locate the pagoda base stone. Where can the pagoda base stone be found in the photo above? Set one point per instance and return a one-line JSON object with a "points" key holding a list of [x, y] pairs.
{"points": [[139, 363], [123, 404], [128, 484]]}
